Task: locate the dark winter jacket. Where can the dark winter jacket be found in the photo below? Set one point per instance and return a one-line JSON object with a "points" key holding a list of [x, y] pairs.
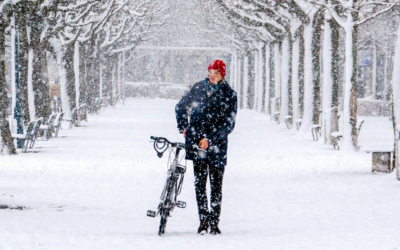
{"points": [[211, 117]]}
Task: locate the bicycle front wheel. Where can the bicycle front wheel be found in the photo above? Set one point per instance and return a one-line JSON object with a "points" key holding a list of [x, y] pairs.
{"points": [[167, 205], [163, 221]]}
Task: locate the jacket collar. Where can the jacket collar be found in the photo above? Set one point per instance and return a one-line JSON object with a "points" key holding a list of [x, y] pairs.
{"points": [[214, 87]]}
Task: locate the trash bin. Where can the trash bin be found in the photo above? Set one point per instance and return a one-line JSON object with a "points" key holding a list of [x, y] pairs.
{"points": [[381, 162]]}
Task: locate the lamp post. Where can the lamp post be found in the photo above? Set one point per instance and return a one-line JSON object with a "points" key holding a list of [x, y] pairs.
{"points": [[17, 108]]}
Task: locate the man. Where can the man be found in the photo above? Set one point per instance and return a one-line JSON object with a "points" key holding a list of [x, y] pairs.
{"points": [[212, 105]]}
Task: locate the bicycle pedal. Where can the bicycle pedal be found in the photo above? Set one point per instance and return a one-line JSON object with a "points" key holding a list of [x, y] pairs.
{"points": [[151, 213], [181, 204]]}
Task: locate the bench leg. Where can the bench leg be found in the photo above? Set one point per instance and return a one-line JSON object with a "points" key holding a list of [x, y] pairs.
{"points": [[336, 145], [288, 124], [32, 142], [314, 134], [25, 146]]}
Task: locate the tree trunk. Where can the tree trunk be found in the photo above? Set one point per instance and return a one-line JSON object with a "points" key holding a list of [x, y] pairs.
{"points": [[350, 90], [267, 56], [271, 90], [76, 73], [327, 86], [335, 62], [396, 99], [23, 51], [119, 75], [307, 119], [123, 78], [375, 61], [261, 77], [354, 90], [82, 74], [277, 70], [6, 138], [301, 72], [246, 81], [285, 80], [255, 85], [240, 82], [68, 60], [101, 79], [40, 81], [295, 80], [316, 55], [31, 93], [62, 74], [92, 67]]}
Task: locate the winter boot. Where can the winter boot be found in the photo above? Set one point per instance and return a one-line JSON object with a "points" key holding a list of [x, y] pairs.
{"points": [[203, 228], [214, 229]]}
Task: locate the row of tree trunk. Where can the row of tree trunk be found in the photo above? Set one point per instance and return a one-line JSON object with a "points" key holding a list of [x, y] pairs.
{"points": [[84, 72], [301, 71]]}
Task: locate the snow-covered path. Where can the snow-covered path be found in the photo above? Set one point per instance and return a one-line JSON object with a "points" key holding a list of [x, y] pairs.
{"points": [[91, 187]]}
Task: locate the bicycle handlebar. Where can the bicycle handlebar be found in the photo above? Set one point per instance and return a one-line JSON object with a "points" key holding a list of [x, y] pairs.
{"points": [[161, 144], [165, 140]]}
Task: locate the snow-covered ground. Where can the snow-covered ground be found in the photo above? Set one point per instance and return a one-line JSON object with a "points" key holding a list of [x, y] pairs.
{"points": [[91, 187]]}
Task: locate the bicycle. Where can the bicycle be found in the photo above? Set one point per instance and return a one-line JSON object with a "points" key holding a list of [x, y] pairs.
{"points": [[173, 184]]}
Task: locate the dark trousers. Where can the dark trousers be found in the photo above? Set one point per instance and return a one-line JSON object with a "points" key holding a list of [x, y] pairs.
{"points": [[201, 172]]}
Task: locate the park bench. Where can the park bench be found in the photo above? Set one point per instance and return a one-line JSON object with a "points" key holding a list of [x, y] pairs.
{"points": [[38, 122], [316, 128], [106, 102], [97, 105], [57, 123], [336, 136], [289, 121], [48, 128], [298, 123], [93, 107], [275, 109], [27, 136], [115, 100], [73, 119], [100, 104], [82, 112]]}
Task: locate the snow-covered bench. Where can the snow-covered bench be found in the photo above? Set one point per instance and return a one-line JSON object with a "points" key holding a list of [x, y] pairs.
{"points": [[30, 134], [298, 123], [57, 123], [48, 128], [336, 136], [115, 99], [316, 131], [275, 108], [276, 116], [316, 128], [83, 112], [73, 119], [289, 121], [107, 101], [38, 122], [26, 136]]}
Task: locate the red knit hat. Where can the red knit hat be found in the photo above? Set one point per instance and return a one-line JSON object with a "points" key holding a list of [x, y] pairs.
{"points": [[219, 66]]}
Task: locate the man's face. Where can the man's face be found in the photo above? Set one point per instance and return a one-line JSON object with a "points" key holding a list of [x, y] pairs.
{"points": [[214, 76]]}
